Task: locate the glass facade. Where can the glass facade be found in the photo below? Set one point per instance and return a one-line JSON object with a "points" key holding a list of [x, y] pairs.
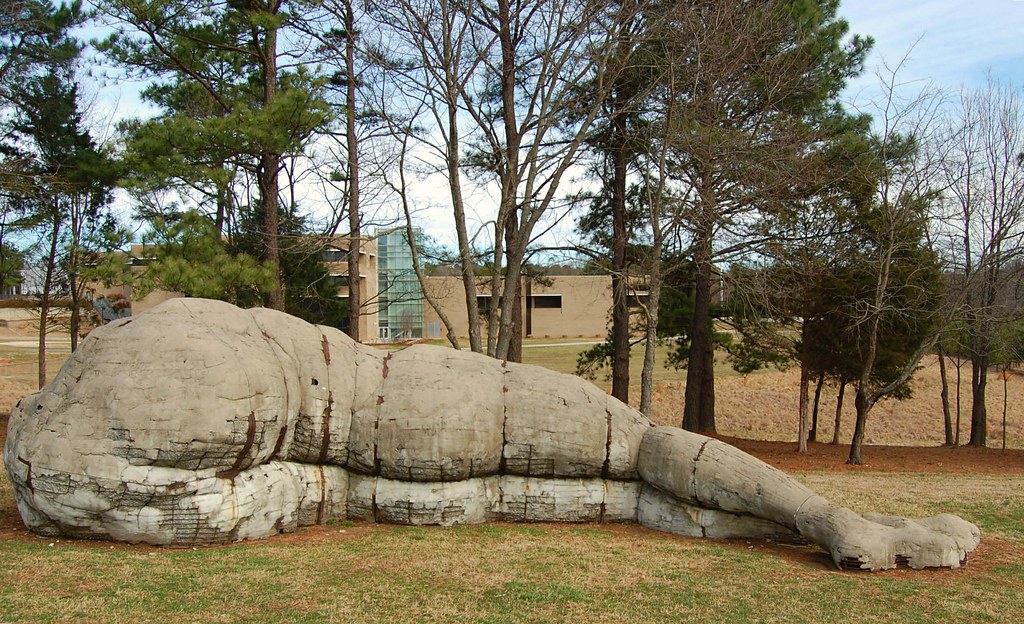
{"points": [[400, 298]]}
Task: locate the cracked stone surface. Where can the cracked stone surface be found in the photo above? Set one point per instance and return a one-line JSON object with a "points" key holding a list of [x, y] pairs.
{"points": [[201, 423]]}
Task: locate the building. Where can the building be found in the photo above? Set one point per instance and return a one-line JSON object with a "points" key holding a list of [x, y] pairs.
{"points": [[335, 257], [570, 306], [400, 297], [394, 306], [562, 306], [390, 295]]}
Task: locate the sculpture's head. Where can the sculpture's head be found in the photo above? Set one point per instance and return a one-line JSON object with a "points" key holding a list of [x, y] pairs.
{"points": [[174, 388]]}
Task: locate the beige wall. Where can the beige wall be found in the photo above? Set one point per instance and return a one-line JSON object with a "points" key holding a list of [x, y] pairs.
{"points": [[567, 306], [571, 306], [368, 286]]}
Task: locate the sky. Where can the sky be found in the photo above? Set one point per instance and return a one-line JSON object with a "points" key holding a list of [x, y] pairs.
{"points": [[941, 43], [948, 43]]}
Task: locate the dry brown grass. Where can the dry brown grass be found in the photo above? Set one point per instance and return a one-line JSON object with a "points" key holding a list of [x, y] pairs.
{"points": [[759, 406], [763, 406]]}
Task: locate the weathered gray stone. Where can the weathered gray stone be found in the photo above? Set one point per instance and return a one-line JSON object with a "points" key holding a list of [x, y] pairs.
{"points": [[320, 376], [554, 430], [442, 414], [664, 512], [365, 412], [446, 503], [200, 423], [511, 498], [161, 505]]}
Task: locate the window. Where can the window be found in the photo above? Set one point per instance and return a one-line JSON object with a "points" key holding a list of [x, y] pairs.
{"points": [[550, 302], [333, 255]]}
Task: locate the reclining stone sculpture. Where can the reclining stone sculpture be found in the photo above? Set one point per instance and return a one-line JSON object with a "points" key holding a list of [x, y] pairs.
{"points": [[201, 423]]}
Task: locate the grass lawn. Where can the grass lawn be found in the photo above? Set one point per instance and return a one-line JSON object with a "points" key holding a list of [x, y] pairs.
{"points": [[358, 572]]}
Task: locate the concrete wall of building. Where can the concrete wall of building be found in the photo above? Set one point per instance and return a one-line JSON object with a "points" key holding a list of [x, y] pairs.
{"points": [[368, 290], [563, 306], [570, 306], [152, 300]]}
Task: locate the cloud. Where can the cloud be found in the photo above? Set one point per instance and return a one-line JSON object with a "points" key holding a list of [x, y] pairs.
{"points": [[946, 42]]}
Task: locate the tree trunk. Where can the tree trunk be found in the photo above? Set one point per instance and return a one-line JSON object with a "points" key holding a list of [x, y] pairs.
{"points": [[1006, 391], [74, 262], [515, 345], [956, 436], [651, 341], [459, 210], [76, 297], [269, 167], [508, 218], [653, 309], [44, 302], [699, 400], [494, 299], [812, 435], [620, 326], [839, 411], [355, 301], [76, 309], [979, 413], [620, 279], [863, 407], [510, 323], [222, 208], [805, 382], [947, 417], [501, 331], [417, 267]]}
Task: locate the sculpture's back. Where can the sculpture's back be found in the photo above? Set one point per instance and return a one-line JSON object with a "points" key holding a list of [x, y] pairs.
{"points": [[199, 422]]}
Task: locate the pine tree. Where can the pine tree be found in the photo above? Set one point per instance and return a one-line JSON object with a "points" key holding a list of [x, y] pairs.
{"points": [[68, 182], [226, 94]]}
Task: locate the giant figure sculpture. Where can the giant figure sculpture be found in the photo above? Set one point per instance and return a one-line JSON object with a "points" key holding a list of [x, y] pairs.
{"points": [[201, 423]]}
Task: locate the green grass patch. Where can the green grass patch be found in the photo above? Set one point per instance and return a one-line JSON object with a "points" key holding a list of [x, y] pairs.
{"points": [[995, 502], [563, 360], [507, 573]]}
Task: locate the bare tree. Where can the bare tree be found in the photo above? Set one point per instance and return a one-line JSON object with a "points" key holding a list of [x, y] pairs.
{"points": [[899, 262], [503, 78], [424, 48], [336, 27], [400, 186], [984, 222]]}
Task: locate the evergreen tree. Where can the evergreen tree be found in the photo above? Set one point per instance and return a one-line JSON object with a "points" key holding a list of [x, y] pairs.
{"points": [[67, 182], [312, 292], [753, 87], [186, 254], [227, 95]]}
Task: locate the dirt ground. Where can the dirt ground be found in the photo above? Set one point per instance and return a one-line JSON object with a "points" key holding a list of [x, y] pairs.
{"points": [[883, 458]]}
